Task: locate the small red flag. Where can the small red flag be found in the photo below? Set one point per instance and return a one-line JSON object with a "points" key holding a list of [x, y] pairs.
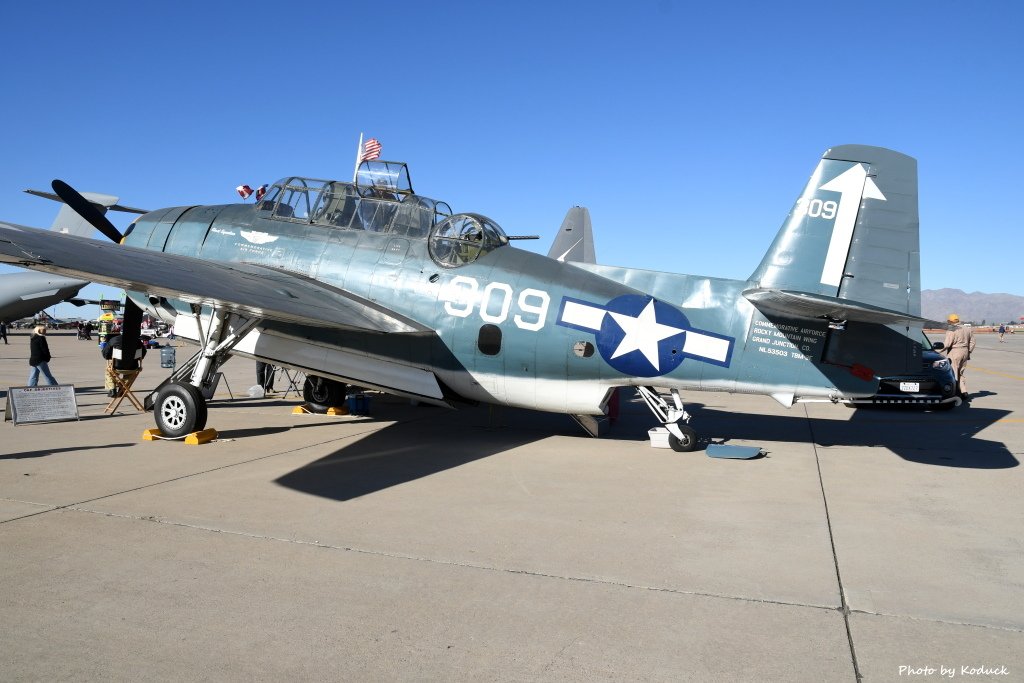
{"points": [[243, 191]]}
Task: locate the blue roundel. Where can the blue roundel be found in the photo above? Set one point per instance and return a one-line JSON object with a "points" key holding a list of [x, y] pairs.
{"points": [[641, 336]]}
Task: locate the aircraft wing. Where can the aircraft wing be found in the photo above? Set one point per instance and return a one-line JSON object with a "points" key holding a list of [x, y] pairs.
{"points": [[808, 305], [244, 288]]}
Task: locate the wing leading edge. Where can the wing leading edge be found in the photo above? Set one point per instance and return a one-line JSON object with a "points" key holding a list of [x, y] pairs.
{"points": [[244, 288]]}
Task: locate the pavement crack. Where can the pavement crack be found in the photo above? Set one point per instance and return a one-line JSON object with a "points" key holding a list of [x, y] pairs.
{"points": [[455, 563], [844, 606], [947, 622]]}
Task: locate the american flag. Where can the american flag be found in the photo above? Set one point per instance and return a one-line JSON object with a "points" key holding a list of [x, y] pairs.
{"points": [[371, 150], [243, 191]]}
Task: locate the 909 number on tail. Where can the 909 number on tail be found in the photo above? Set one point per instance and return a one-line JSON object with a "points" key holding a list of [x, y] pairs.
{"points": [[463, 296], [815, 208]]}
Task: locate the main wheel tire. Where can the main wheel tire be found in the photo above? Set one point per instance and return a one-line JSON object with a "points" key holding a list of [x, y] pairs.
{"points": [[179, 409], [687, 443], [321, 393]]}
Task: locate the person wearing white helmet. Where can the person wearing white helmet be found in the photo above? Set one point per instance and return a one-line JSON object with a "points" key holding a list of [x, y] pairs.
{"points": [[959, 344]]}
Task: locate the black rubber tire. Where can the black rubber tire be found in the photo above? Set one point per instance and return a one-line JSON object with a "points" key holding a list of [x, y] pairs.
{"points": [[687, 444], [320, 393], [179, 409]]}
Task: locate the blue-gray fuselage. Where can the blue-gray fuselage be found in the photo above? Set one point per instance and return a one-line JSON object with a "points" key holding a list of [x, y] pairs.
{"points": [[511, 326]]}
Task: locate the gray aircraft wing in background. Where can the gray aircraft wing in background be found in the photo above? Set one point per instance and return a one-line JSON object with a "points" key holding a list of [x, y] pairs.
{"points": [[23, 294]]}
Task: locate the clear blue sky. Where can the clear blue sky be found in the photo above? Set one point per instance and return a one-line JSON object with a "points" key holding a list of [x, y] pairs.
{"points": [[687, 129]]}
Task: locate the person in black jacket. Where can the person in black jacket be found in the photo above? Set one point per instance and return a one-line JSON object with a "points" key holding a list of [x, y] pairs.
{"points": [[39, 357], [116, 341]]}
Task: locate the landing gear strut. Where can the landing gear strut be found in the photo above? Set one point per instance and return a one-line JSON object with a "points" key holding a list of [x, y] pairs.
{"points": [[681, 436], [179, 406]]}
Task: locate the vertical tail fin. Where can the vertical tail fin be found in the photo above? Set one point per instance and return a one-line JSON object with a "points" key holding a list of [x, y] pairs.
{"points": [[852, 234], [575, 240]]}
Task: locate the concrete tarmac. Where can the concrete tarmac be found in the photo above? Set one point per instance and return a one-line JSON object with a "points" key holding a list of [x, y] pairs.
{"points": [[497, 544]]}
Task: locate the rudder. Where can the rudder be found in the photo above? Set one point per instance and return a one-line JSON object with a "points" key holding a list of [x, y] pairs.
{"points": [[853, 234]]}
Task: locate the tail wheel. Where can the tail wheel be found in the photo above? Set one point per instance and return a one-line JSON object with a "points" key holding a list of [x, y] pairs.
{"points": [[179, 409], [687, 443], [321, 393]]}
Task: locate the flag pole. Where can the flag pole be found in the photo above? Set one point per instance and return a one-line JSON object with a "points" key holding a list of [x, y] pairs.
{"points": [[359, 154]]}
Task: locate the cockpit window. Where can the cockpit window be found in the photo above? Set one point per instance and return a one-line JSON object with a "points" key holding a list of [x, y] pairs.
{"points": [[416, 215], [346, 205], [293, 198], [464, 238], [338, 206], [269, 199], [377, 210]]}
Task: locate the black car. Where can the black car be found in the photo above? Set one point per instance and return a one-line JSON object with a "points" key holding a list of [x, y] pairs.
{"points": [[933, 387]]}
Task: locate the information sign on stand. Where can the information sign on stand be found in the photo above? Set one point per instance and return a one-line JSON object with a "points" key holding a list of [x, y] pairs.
{"points": [[51, 403]]}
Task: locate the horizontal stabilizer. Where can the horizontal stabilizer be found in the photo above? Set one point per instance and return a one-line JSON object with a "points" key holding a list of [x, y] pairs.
{"points": [[103, 200], [818, 306], [69, 222]]}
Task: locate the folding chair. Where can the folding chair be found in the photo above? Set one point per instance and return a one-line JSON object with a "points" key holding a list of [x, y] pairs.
{"points": [[294, 378], [123, 381]]}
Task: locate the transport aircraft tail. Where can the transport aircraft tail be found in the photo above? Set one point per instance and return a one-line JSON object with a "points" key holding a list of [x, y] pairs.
{"points": [[575, 240], [849, 249], [69, 222]]}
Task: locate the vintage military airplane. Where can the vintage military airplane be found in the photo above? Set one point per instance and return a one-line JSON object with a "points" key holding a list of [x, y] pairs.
{"points": [[372, 284]]}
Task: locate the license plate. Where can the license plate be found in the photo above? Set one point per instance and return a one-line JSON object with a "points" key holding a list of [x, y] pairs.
{"points": [[911, 387]]}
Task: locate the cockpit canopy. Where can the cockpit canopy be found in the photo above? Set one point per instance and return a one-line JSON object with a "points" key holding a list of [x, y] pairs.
{"points": [[381, 208], [382, 201], [389, 176]]}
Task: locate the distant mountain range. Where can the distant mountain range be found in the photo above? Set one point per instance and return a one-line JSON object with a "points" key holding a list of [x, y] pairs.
{"points": [[976, 307]]}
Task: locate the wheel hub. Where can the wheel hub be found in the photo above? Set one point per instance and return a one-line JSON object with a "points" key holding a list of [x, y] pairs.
{"points": [[173, 412]]}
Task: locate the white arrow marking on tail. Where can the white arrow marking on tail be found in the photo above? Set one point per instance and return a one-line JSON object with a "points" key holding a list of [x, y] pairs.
{"points": [[851, 185]]}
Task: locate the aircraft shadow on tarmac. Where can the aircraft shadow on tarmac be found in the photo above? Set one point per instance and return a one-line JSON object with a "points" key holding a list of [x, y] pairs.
{"points": [[432, 441], [440, 440], [942, 438]]}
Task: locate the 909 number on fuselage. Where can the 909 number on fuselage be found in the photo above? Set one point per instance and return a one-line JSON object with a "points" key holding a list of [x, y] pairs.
{"points": [[463, 297]]}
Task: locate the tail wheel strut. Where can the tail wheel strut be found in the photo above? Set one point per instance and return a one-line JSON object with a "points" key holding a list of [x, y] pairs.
{"points": [[681, 436]]}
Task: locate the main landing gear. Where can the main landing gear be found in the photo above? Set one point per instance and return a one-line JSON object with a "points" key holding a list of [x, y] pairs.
{"points": [[321, 394], [179, 409], [179, 403], [681, 436]]}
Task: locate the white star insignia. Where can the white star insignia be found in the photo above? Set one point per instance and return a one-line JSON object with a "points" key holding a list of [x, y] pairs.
{"points": [[642, 333]]}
